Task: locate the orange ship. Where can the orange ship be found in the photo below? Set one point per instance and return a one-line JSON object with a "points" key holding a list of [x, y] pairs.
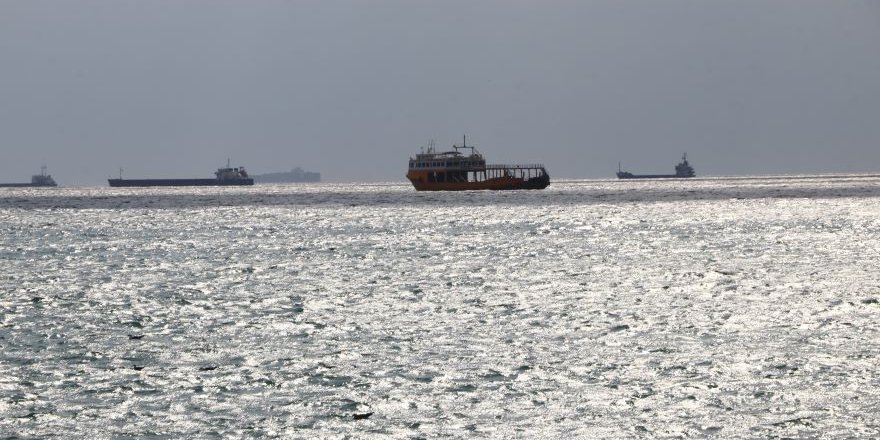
{"points": [[454, 171]]}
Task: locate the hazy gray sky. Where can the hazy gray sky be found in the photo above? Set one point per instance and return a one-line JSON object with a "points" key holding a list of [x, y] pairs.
{"points": [[352, 88]]}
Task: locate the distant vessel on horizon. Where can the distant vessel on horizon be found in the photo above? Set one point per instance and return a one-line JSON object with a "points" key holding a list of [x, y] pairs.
{"points": [[37, 180], [225, 177], [682, 170], [454, 171], [296, 175]]}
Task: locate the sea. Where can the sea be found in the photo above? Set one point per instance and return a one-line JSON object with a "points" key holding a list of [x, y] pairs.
{"points": [[699, 308]]}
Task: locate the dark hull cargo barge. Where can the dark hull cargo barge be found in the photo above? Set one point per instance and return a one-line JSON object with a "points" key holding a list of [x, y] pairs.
{"points": [[225, 177], [682, 170]]}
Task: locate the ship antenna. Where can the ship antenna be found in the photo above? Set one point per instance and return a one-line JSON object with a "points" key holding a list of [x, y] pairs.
{"points": [[464, 141], [227, 162], [120, 173], [43, 170]]}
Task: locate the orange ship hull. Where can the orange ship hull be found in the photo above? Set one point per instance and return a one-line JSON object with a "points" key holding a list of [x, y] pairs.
{"points": [[421, 182]]}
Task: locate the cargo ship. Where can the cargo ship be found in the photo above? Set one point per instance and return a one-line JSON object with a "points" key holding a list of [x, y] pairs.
{"points": [[456, 171], [682, 170], [225, 177], [37, 180]]}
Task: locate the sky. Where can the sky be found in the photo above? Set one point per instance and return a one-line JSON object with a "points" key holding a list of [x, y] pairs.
{"points": [[353, 88]]}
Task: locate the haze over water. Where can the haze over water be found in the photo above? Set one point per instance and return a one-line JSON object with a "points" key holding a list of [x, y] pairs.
{"points": [[729, 308]]}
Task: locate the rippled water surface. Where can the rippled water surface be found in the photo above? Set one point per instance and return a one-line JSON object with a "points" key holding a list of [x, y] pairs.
{"points": [[710, 308]]}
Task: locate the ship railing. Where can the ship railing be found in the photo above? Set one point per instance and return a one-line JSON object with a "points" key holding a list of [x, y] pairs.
{"points": [[516, 167], [456, 167]]}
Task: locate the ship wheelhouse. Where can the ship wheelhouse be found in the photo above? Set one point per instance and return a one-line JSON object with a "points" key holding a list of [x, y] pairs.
{"points": [[42, 179], [684, 169], [448, 166]]}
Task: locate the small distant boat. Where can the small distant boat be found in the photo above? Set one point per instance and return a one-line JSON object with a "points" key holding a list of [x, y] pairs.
{"points": [[37, 180], [682, 170], [225, 177], [454, 171]]}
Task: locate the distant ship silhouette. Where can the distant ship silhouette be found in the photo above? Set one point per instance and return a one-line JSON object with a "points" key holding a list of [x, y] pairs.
{"points": [[682, 170], [37, 180], [295, 175]]}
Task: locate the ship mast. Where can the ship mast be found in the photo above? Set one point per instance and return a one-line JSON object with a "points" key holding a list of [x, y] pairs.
{"points": [[464, 145]]}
